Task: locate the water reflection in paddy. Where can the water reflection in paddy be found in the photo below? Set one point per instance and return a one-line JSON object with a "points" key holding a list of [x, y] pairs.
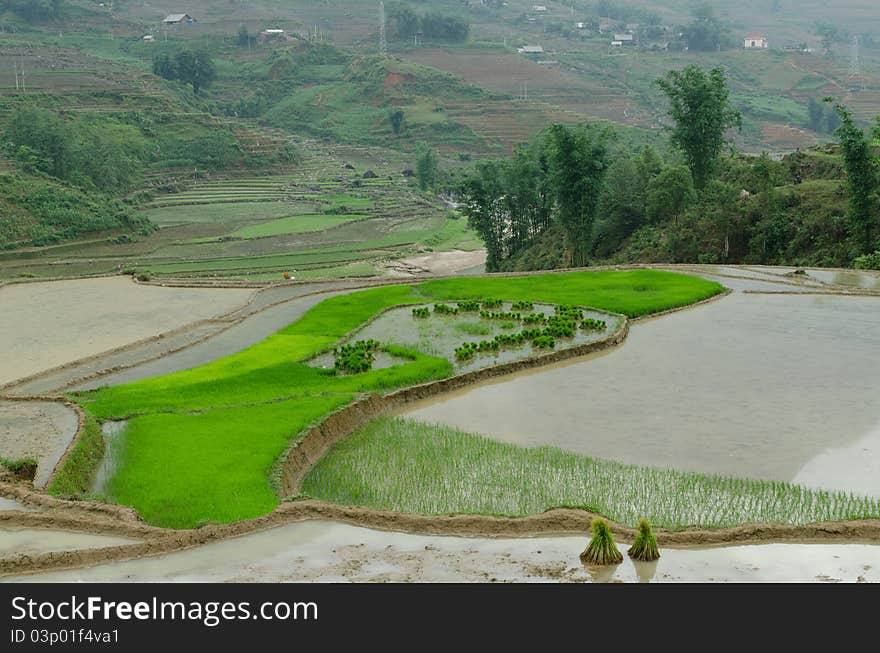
{"points": [[750, 385], [328, 552]]}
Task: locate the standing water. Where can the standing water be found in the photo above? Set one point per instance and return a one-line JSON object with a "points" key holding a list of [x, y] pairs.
{"points": [[760, 386]]}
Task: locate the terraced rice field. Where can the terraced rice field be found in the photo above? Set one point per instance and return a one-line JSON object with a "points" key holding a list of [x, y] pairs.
{"points": [[342, 210]]}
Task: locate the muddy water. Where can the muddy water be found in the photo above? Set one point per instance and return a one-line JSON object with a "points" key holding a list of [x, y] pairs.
{"points": [[42, 541], [11, 504], [328, 552], [114, 440], [849, 278], [751, 385]]}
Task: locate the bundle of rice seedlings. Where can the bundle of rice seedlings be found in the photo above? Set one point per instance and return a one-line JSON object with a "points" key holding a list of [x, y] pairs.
{"points": [[645, 546], [601, 549]]}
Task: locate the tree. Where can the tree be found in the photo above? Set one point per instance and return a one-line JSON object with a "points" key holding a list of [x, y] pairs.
{"points": [[861, 177], [701, 109], [164, 66], [244, 38], [670, 193], [816, 112], [829, 34], [397, 118], [481, 193], [195, 67], [426, 166], [406, 22], [706, 33], [578, 159], [621, 205]]}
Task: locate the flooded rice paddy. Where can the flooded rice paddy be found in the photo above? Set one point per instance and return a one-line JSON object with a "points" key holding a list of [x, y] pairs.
{"points": [[12, 504], [439, 334], [37, 540], [330, 552], [780, 387], [114, 440]]}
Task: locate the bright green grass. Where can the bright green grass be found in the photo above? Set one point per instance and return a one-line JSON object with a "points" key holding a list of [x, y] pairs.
{"points": [[295, 224], [408, 466], [274, 369], [633, 292], [218, 461]]}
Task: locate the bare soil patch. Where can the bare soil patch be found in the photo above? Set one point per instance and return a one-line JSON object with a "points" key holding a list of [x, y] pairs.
{"points": [[439, 263], [41, 430]]}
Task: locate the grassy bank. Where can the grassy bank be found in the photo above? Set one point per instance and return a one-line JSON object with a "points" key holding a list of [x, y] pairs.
{"points": [[193, 428], [408, 466]]}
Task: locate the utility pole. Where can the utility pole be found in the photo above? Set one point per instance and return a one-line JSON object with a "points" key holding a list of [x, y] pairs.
{"points": [[383, 42], [15, 65], [855, 68]]}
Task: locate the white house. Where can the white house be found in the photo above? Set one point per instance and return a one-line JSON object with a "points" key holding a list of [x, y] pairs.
{"points": [[755, 41], [530, 49], [273, 33], [539, 8], [626, 39]]}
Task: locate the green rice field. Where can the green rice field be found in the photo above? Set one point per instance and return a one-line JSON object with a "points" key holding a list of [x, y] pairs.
{"points": [[408, 466], [172, 428]]}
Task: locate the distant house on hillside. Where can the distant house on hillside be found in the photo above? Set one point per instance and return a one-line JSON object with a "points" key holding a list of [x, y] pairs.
{"points": [[539, 8], [625, 38], [179, 19], [531, 49], [755, 41], [274, 33]]}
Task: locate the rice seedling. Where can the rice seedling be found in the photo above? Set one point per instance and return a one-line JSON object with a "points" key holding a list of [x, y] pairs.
{"points": [[644, 547], [523, 305], [409, 466], [567, 311], [468, 305], [421, 312], [591, 324], [445, 309], [544, 342], [357, 357], [500, 315], [534, 318], [492, 303], [466, 352], [601, 549]]}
